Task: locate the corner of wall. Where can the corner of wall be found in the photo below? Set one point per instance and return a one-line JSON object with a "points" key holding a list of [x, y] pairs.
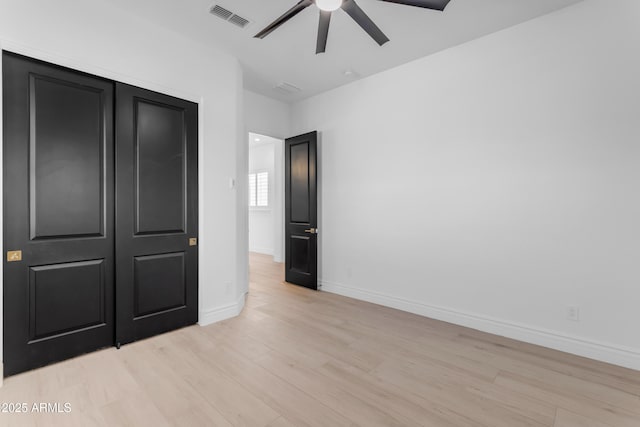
{"points": [[242, 215], [218, 314]]}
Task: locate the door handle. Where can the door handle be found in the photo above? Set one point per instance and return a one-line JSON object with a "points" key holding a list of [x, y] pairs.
{"points": [[13, 256], [312, 231]]}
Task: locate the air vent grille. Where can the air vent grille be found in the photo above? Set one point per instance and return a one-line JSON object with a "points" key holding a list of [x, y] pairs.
{"points": [[221, 12], [239, 21], [229, 16], [286, 88]]}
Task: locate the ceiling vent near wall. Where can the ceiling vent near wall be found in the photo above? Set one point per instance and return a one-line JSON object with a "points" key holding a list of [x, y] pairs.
{"points": [[286, 88], [229, 16]]}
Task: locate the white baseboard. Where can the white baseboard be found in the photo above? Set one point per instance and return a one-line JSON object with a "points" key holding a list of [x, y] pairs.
{"points": [[265, 251], [621, 356], [207, 317]]}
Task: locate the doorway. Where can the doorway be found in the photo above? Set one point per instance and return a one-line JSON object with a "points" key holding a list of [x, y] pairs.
{"points": [[266, 196], [283, 214]]}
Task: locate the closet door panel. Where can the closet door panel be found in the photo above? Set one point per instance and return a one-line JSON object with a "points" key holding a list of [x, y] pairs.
{"points": [[156, 218], [58, 213]]}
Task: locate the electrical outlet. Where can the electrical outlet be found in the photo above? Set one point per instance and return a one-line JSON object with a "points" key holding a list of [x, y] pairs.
{"points": [[573, 313]]}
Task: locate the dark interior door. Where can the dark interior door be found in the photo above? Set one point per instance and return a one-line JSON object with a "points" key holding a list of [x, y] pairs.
{"points": [[156, 214], [58, 213], [301, 216]]}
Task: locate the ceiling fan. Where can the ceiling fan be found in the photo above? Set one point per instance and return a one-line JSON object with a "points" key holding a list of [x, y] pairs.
{"points": [[353, 10]]}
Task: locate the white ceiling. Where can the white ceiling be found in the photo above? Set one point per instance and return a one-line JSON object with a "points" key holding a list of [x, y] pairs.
{"points": [[288, 54]]}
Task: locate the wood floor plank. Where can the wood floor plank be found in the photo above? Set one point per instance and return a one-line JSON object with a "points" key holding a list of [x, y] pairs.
{"points": [[565, 418], [608, 391], [565, 399], [282, 422], [164, 387], [295, 404], [623, 379], [348, 404], [200, 415], [446, 389], [408, 407], [134, 410]]}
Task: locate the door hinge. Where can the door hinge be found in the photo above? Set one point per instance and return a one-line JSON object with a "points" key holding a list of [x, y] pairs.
{"points": [[193, 241]]}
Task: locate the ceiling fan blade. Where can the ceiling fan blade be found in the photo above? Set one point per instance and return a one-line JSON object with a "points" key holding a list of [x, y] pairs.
{"points": [[323, 31], [302, 5], [427, 4], [364, 21]]}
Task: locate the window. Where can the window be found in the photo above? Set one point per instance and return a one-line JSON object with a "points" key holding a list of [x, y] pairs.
{"points": [[259, 189]]}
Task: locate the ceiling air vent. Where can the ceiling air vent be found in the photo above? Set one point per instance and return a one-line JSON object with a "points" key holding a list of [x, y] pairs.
{"points": [[221, 12], [239, 21], [229, 16], [286, 88]]}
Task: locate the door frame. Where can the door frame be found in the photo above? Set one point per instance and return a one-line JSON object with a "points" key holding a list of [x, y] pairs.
{"points": [[87, 67]]}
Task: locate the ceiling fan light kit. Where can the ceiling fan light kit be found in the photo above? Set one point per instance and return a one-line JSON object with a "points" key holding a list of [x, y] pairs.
{"points": [[328, 5], [352, 9]]}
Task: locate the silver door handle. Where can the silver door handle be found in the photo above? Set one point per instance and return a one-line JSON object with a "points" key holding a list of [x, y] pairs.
{"points": [[312, 231]]}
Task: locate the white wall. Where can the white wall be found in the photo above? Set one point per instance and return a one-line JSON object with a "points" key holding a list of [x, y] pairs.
{"points": [[266, 116], [495, 183], [96, 37], [261, 220]]}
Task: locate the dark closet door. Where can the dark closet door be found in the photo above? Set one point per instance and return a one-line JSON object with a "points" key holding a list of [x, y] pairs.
{"points": [[58, 213], [301, 211], [156, 214]]}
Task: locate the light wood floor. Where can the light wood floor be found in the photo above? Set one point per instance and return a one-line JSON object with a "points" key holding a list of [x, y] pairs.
{"points": [[296, 357]]}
